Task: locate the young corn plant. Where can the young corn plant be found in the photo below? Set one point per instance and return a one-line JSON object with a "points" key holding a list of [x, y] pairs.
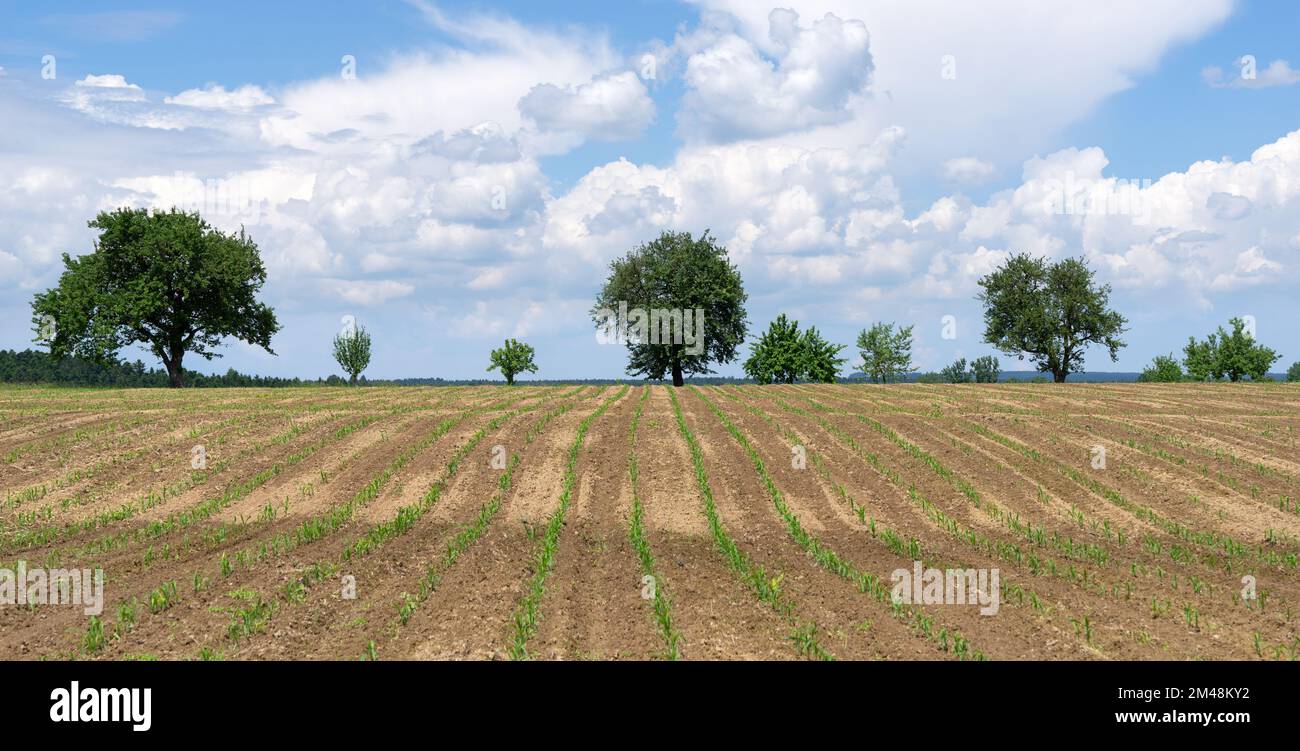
{"points": [[94, 639], [163, 597], [249, 619]]}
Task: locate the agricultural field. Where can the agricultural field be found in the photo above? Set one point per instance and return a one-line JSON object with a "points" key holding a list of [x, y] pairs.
{"points": [[1125, 522]]}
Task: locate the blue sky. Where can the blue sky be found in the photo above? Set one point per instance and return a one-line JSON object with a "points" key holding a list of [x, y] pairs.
{"points": [[475, 177]]}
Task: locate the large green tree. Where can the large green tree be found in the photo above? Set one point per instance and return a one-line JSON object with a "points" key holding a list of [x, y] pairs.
{"points": [[164, 279], [512, 358], [1233, 355], [1050, 312], [784, 355], [886, 352], [678, 304]]}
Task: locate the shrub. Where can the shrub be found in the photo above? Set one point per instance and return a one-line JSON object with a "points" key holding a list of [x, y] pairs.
{"points": [[1163, 369], [1232, 355], [783, 355]]}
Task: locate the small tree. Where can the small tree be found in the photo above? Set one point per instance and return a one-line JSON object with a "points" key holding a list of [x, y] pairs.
{"points": [[1163, 369], [512, 358], [886, 353], [1293, 372], [165, 279], [956, 373], [1050, 312], [1232, 355], [783, 355], [352, 351], [986, 369]]}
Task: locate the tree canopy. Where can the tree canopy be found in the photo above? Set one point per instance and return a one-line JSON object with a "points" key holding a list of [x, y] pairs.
{"points": [[678, 304], [1051, 312], [784, 355], [164, 279]]}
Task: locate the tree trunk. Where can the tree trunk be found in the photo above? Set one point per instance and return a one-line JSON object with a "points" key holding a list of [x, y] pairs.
{"points": [[352, 380], [175, 373], [510, 379], [1062, 368], [677, 374]]}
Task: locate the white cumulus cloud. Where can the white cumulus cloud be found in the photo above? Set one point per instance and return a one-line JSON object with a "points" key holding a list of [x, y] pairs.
{"points": [[737, 89], [217, 97], [968, 169], [368, 293], [107, 81], [609, 107]]}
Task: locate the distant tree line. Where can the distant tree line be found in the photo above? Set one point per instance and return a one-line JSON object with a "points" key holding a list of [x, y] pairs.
{"points": [[31, 366]]}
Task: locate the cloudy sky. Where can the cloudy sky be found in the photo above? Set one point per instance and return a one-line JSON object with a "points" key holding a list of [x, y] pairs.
{"points": [[454, 173]]}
